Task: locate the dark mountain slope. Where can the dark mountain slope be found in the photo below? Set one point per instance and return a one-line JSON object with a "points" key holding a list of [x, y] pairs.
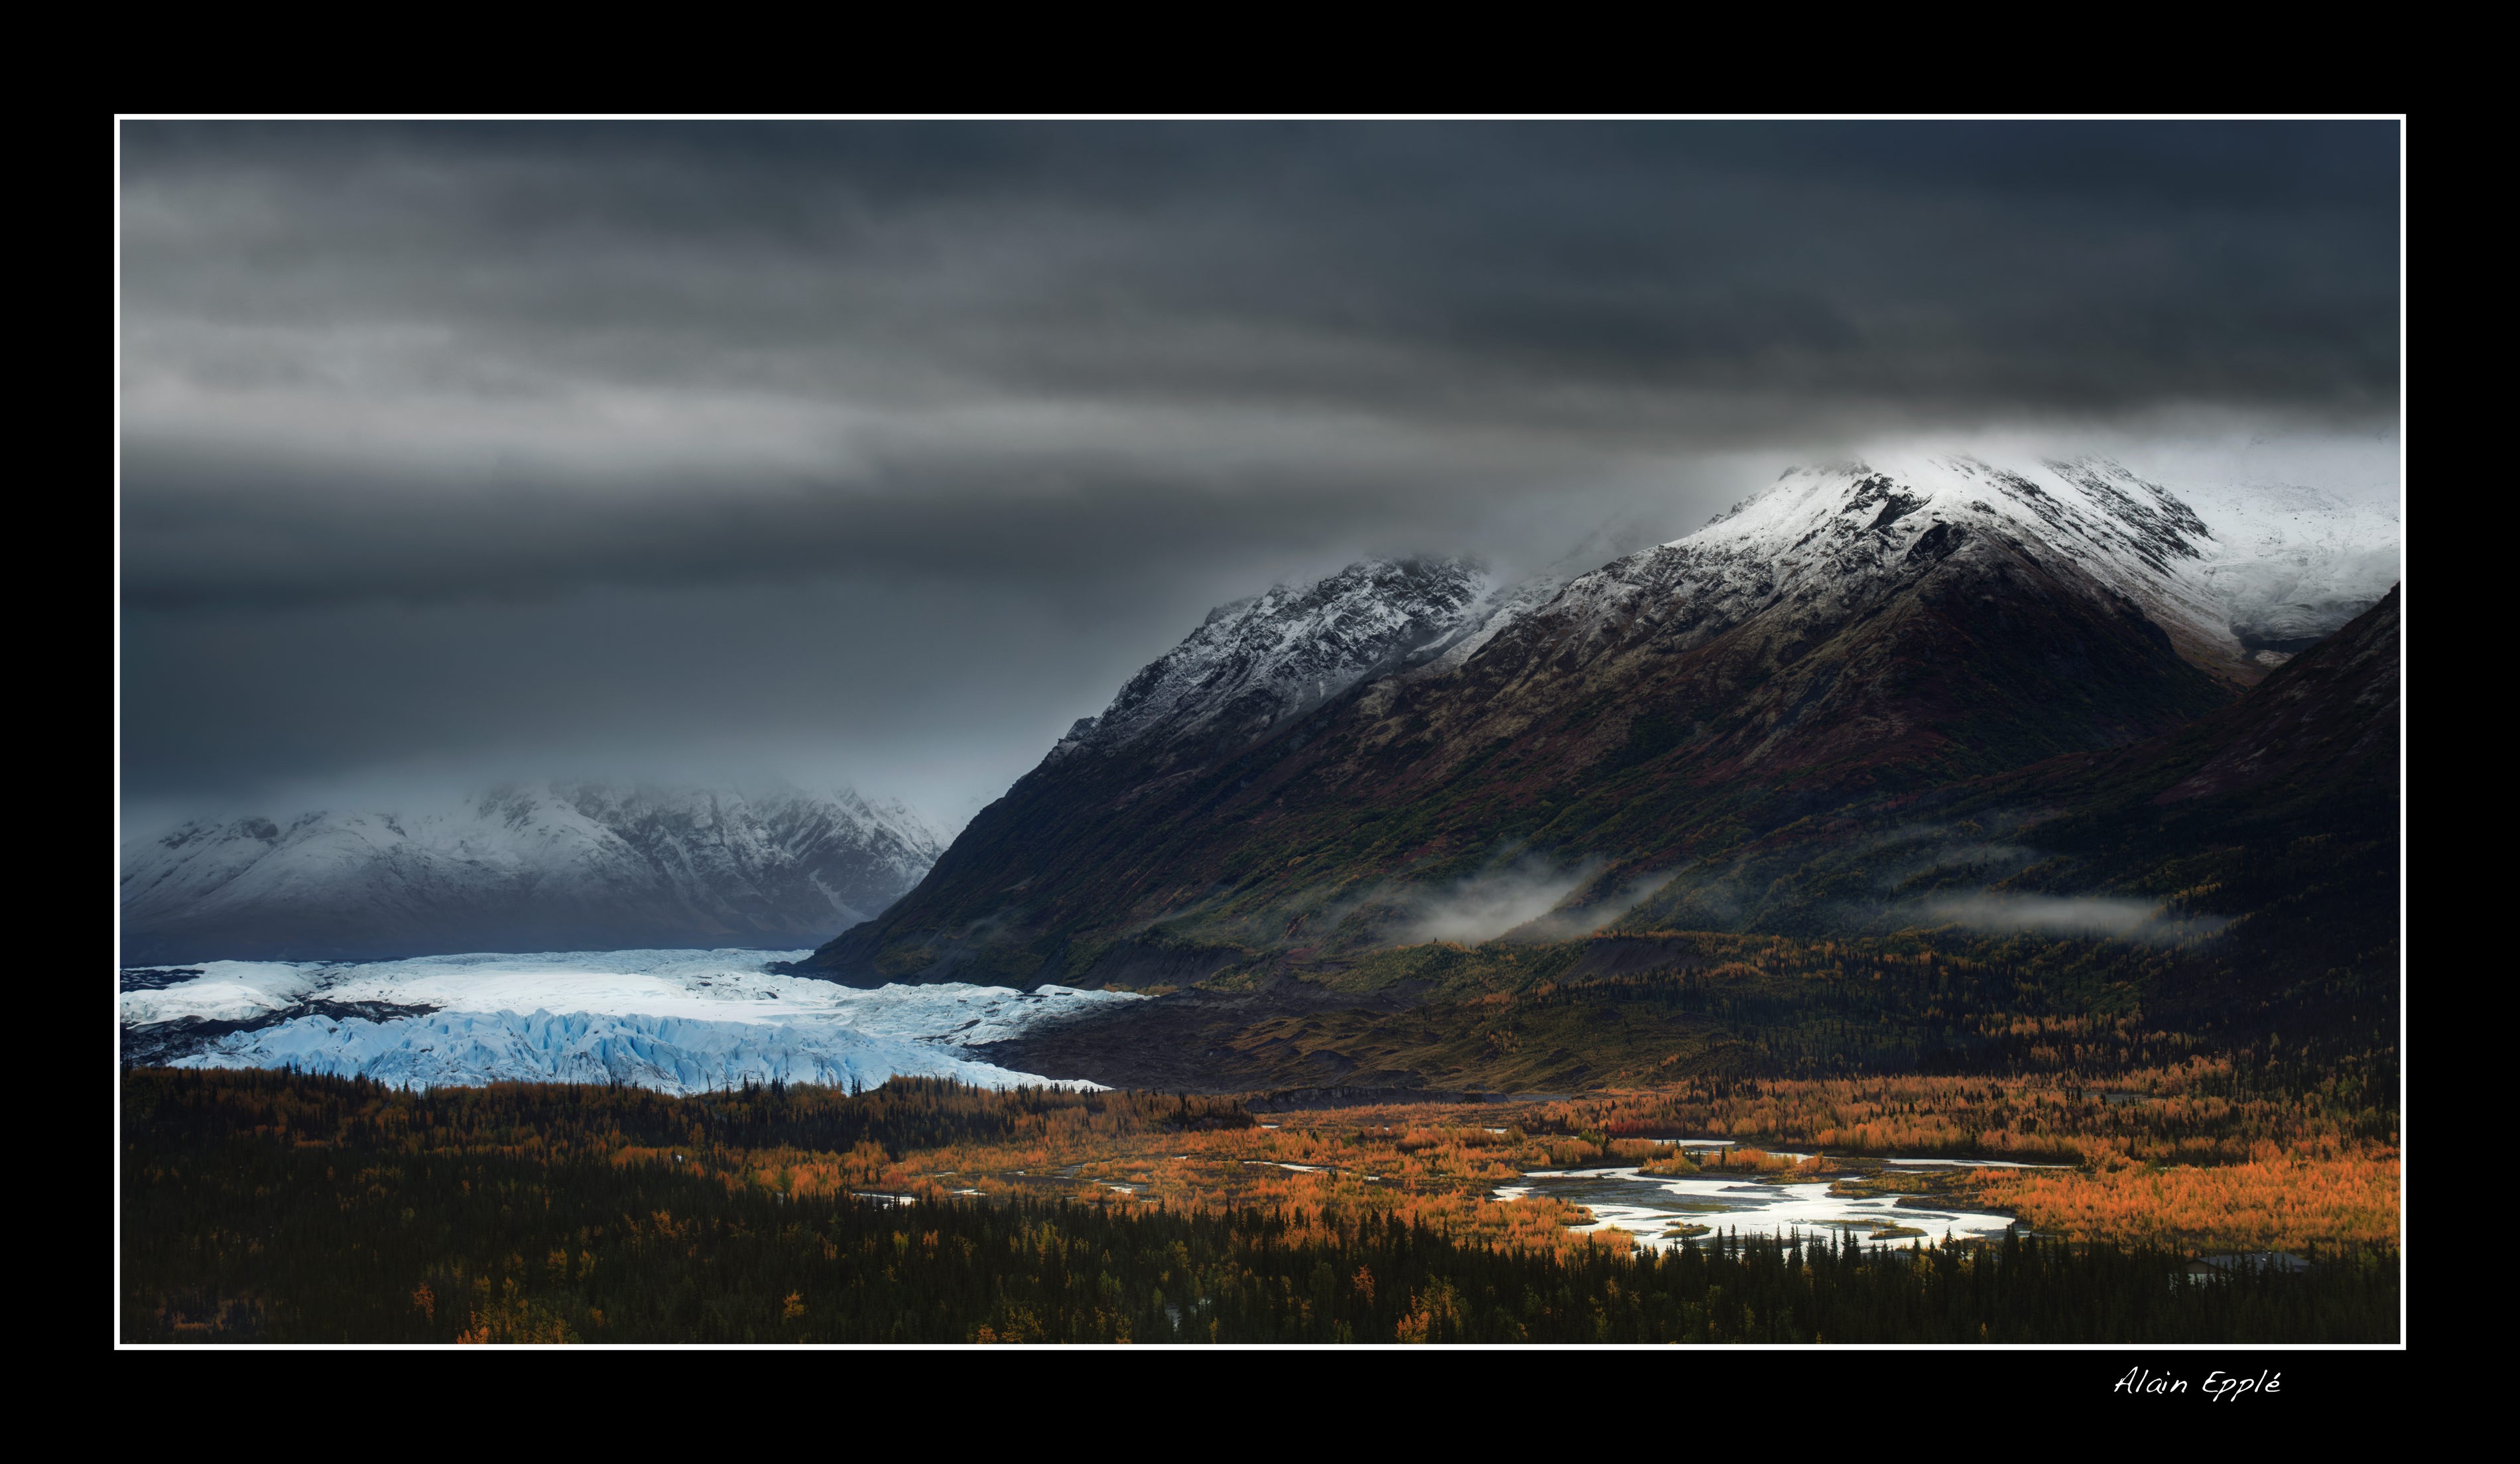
{"points": [[1851, 634], [2265, 835], [2309, 758], [2257, 851]]}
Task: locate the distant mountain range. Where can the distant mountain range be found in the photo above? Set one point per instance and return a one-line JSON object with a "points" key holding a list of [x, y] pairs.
{"points": [[1409, 751], [540, 867]]}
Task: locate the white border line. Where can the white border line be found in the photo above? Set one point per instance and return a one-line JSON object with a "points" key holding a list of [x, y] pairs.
{"points": [[2405, 600]]}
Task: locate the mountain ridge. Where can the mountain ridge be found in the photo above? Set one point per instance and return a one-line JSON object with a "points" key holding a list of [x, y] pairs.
{"points": [[2232, 880], [1851, 630], [527, 867]]}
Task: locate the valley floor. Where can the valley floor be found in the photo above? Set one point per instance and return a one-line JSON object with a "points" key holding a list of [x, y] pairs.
{"points": [[281, 1207], [1642, 1137]]}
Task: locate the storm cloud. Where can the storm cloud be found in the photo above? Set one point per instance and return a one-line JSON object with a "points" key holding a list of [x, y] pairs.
{"points": [[894, 446]]}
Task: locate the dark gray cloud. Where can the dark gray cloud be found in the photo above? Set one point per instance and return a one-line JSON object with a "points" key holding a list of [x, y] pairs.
{"points": [[459, 418]]}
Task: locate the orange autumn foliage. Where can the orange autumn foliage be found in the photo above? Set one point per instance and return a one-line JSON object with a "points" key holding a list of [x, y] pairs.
{"points": [[2284, 1202]]}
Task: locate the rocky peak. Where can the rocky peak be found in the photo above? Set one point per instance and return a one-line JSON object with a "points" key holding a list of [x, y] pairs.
{"points": [[1254, 664]]}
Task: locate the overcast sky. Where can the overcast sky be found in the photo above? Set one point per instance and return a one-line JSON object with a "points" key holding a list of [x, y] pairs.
{"points": [[881, 453]]}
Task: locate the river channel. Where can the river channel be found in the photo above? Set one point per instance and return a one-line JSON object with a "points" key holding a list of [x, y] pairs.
{"points": [[1663, 1212]]}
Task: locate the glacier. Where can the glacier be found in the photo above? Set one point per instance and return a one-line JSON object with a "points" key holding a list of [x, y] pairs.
{"points": [[677, 1020]]}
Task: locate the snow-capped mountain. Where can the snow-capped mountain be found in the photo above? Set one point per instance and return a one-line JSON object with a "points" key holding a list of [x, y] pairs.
{"points": [[2222, 572], [1256, 662], [2289, 564], [1315, 759], [526, 868], [1822, 543]]}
